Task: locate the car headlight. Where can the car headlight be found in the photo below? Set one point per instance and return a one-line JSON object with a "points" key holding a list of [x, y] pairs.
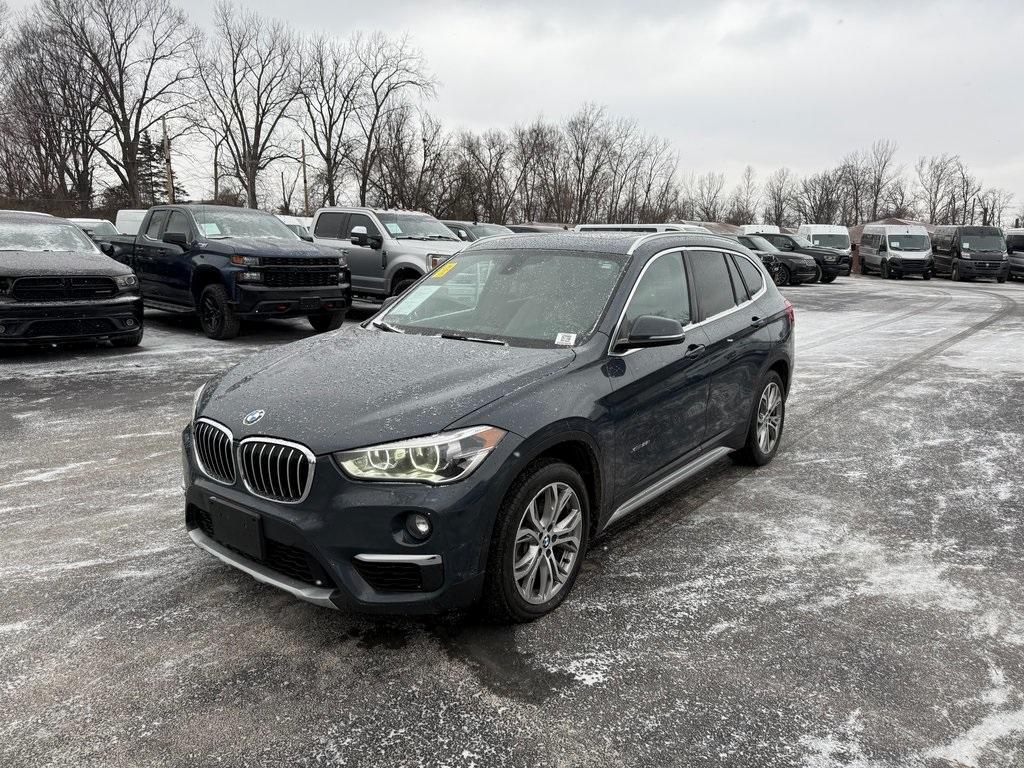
{"points": [[1005, 257], [195, 401], [245, 261], [830, 258], [965, 255], [125, 282], [441, 458], [436, 259]]}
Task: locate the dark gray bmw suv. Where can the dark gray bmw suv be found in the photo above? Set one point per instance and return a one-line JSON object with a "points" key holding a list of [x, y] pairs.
{"points": [[468, 442]]}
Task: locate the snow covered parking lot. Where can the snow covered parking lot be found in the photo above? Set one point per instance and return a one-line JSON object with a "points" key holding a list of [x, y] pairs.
{"points": [[856, 602]]}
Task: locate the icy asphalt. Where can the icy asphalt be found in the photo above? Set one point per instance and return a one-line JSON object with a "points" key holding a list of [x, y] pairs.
{"points": [[859, 602]]}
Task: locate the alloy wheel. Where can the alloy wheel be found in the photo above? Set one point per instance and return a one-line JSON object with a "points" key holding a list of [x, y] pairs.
{"points": [[212, 315], [548, 542], [769, 418]]}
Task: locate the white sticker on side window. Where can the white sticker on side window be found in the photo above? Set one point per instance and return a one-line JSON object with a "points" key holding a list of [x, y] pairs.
{"points": [[565, 339]]}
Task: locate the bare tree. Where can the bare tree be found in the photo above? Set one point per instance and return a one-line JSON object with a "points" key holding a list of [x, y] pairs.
{"points": [[880, 170], [135, 51], [778, 195], [744, 199], [933, 175], [332, 81], [708, 196], [249, 71], [817, 198], [392, 71], [994, 203]]}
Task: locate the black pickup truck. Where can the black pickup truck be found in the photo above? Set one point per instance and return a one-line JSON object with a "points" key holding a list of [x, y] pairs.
{"points": [[228, 263]]}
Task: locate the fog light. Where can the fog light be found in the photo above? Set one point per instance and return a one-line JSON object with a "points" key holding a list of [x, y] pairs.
{"points": [[3, 329], [130, 322], [418, 525]]}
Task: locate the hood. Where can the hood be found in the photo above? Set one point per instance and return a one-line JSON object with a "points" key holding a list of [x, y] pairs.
{"points": [[37, 264], [423, 247], [353, 389], [258, 246]]}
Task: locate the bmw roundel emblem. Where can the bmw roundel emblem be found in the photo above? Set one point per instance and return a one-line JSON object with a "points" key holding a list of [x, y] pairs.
{"points": [[253, 416]]}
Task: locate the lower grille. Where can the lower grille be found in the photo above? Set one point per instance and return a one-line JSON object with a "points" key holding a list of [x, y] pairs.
{"points": [[43, 328], [390, 577], [213, 443], [275, 469], [44, 289], [301, 278]]}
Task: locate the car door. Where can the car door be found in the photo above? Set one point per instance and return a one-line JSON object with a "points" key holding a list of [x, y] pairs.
{"points": [[147, 253], [175, 267], [659, 393], [735, 350], [365, 261]]}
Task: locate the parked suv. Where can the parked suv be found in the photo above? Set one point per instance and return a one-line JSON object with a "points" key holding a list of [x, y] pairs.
{"points": [[56, 286], [471, 231], [387, 251], [1015, 252], [965, 253], [792, 268], [577, 379], [831, 263], [229, 264]]}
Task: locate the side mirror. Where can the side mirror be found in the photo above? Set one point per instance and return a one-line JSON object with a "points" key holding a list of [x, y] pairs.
{"points": [[107, 248], [653, 331], [176, 238], [358, 235], [375, 241]]}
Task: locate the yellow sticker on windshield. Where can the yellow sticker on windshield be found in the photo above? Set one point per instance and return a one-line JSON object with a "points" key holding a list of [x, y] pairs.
{"points": [[444, 269]]}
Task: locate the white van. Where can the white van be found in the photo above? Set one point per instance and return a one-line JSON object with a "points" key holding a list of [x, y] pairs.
{"points": [[759, 229], [895, 250], [827, 236], [642, 228], [129, 220], [300, 225]]}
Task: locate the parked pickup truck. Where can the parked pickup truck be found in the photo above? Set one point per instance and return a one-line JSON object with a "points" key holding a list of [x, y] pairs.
{"points": [[387, 251], [231, 263]]}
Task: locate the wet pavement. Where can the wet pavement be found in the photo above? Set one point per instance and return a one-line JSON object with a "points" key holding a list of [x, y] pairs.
{"points": [[858, 602]]}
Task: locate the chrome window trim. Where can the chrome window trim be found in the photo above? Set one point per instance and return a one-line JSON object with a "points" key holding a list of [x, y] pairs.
{"points": [[310, 456], [681, 249], [195, 450]]}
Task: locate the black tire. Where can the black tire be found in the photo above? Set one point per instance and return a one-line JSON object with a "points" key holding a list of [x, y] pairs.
{"points": [[781, 275], [926, 276], [1000, 279], [864, 266], [217, 318], [884, 271], [828, 279], [817, 274], [402, 286], [329, 322], [131, 340], [954, 273], [502, 601], [752, 452]]}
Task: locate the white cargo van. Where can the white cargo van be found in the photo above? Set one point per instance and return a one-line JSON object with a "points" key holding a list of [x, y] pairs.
{"points": [[759, 229], [827, 236], [895, 250], [129, 220]]}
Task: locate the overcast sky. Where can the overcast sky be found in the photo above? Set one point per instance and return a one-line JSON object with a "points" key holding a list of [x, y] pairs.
{"points": [[729, 83]]}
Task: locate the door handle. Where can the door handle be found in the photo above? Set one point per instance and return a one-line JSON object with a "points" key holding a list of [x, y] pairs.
{"points": [[695, 350]]}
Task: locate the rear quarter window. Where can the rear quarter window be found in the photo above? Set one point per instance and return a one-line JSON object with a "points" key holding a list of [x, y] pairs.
{"points": [[751, 275]]}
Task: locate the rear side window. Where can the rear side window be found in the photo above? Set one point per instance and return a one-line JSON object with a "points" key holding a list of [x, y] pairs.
{"points": [[712, 284], [661, 292], [329, 225], [156, 221], [1016, 242], [751, 275]]}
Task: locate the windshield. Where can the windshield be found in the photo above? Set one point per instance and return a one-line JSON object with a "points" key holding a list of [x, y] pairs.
{"points": [[523, 297], [909, 242], [406, 226], [21, 236], [831, 241], [982, 242], [217, 223], [757, 243], [801, 242], [99, 228], [489, 230]]}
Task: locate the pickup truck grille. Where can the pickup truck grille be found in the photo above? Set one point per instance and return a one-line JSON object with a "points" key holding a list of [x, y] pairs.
{"points": [[301, 278], [45, 289], [275, 469], [281, 261]]}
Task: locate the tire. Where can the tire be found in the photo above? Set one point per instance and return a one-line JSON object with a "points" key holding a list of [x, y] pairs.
{"points": [[954, 273], [781, 276], [329, 322], [402, 286], [864, 267], [504, 599], [217, 318], [817, 274], [753, 451], [884, 271], [926, 275], [828, 279], [131, 340]]}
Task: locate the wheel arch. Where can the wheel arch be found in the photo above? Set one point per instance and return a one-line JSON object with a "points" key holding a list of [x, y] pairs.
{"points": [[203, 276]]}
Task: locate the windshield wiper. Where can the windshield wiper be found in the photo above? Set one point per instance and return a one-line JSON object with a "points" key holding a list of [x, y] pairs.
{"points": [[460, 337], [380, 324], [441, 237]]}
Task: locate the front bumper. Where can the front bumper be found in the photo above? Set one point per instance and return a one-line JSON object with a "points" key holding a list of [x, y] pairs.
{"points": [[260, 301], [911, 266], [804, 273], [983, 268], [839, 268], [47, 323], [345, 546]]}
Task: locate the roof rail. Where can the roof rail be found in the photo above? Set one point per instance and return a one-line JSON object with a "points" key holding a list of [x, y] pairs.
{"points": [[652, 235]]}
